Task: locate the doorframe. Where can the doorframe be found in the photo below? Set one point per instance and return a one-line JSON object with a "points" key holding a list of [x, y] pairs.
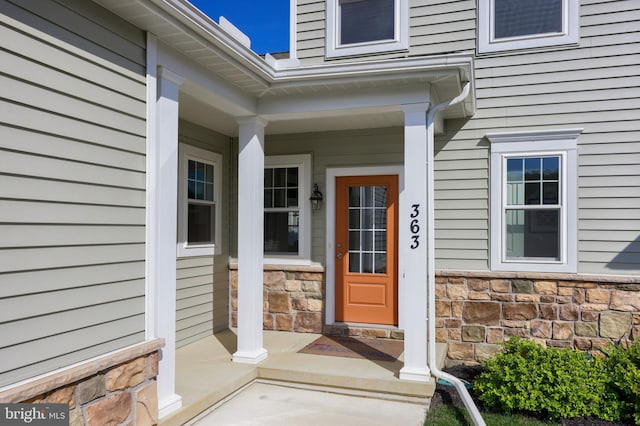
{"points": [[330, 233]]}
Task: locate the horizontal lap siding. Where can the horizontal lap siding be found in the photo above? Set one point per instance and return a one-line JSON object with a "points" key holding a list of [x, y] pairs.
{"points": [[595, 86], [461, 206], [72, 185], [202, 298], [435, 27]]}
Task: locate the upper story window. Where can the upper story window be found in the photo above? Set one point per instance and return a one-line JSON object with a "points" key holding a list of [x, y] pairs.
{"points": [[533, 201], [199, 178], [360, 27], [519, 24], [287, 217]]}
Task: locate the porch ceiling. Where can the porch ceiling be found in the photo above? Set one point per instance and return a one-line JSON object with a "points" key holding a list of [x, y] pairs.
{"points": [[180, 26]]}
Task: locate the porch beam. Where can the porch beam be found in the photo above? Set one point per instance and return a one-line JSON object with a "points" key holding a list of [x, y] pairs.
{"points": [[162, 223], [413, 244], [250, 240]]}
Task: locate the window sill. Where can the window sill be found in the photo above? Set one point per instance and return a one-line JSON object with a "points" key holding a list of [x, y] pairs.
{"points": [[309, 266], [533, 267], [196, 251], [365, 50]]}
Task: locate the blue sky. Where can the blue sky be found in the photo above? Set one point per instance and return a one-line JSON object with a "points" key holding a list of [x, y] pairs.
{"points": [[266, 22]]}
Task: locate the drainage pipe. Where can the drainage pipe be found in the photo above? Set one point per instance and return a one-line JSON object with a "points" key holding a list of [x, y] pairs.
{"points": [[431, 279]]}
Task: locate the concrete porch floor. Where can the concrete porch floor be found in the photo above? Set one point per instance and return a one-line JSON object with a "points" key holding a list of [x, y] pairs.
{"points": [[205, 374]]}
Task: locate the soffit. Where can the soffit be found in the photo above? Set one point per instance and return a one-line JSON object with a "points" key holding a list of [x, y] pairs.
{"points": [[182, 27]]}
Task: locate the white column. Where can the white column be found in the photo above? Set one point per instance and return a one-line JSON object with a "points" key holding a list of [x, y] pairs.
{"points": [[413, 244], [250, 240], [162, 218]]}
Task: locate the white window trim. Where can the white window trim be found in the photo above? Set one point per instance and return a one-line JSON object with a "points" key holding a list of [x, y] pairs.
{"points": [[303, 162], [400, 41], [487, 42], [562, 143], [186, 153]]}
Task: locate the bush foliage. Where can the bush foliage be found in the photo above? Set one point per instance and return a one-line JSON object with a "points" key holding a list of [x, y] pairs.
{"points": [[564, 383]]}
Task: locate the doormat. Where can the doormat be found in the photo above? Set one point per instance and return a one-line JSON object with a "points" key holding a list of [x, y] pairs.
{"points": [[352, 347]]}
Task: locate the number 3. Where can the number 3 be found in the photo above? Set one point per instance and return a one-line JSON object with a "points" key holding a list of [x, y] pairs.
{"points": [[416, 243]]}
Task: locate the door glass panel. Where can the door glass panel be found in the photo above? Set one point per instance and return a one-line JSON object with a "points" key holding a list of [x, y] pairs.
{"points": [[367, 229]]}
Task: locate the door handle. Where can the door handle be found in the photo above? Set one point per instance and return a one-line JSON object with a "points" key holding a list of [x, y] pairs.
{"points": [[339, 255]]}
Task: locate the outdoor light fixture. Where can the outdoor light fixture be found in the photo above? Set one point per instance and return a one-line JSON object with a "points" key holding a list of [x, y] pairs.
{"points": [[316, 198]]}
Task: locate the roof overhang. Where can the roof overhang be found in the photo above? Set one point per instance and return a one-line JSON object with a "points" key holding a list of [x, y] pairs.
{"points": [[301, 94]]}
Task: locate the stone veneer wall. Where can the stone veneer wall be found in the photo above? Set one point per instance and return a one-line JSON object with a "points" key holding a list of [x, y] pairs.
{"points": [[476, 313], [293, 298], [118, 389]]}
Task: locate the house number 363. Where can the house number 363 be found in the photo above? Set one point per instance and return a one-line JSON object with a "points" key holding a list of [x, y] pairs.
{"points": [[414, 226]]}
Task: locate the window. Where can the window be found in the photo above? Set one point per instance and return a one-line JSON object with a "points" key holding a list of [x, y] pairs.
{"points": [[533, 201], [358, 27], [198, 197], [287, 219], [518, 24]]}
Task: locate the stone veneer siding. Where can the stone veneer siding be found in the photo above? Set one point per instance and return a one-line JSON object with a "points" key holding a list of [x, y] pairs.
{"points": [[116, 389], [476, 312], [293, 298]]}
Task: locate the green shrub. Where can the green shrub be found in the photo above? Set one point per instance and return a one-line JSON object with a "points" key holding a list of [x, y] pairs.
{"points": [[622, 366], [553, 382]]}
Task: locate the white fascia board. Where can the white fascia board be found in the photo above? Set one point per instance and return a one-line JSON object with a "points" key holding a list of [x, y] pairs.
{"points": [[363, 70], [239, 102], [187, 20], [338, 100]]}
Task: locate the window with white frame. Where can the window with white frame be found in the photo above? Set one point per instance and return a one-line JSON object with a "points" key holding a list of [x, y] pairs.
{"points": [[199, 181], [519, 24], [533, 201], [360, 27], [287, 217]]}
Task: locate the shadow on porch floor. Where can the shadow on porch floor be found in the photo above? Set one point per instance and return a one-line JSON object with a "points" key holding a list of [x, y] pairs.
{"points": [[205, 374]]}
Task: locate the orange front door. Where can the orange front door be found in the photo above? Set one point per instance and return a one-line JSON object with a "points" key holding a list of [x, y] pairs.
{"points": [[366, 249]]}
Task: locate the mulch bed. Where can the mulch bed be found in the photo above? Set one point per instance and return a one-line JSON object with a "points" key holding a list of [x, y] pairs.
{"points": [[447, 395]]}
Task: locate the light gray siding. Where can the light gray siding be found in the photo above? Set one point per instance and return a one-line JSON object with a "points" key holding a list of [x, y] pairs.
{"points": [[72, 185], [202, 294], [435, 27], [594, 86]]}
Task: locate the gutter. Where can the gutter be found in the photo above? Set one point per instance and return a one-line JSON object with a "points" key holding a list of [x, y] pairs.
{"points": [[431, 280]]}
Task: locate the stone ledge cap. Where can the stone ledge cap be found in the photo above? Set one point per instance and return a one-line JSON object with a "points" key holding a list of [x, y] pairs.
{"points": [[554, 276], [39, 385]]}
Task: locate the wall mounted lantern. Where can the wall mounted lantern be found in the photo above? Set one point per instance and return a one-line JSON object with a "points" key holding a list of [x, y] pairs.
{"points": [[316, 198]]}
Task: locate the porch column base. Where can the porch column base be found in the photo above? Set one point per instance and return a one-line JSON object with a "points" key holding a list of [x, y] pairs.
{"points": [[169, 404], [415, 374], [246, 357]]}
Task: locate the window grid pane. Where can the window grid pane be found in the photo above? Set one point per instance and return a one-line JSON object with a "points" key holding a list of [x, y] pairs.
{"points": [[200, 181], [516, 18], [281, 231], [281, 187], [282, 212], [367, 229], [533, 208], [200, 224], [533, 181], [364, 21]]}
